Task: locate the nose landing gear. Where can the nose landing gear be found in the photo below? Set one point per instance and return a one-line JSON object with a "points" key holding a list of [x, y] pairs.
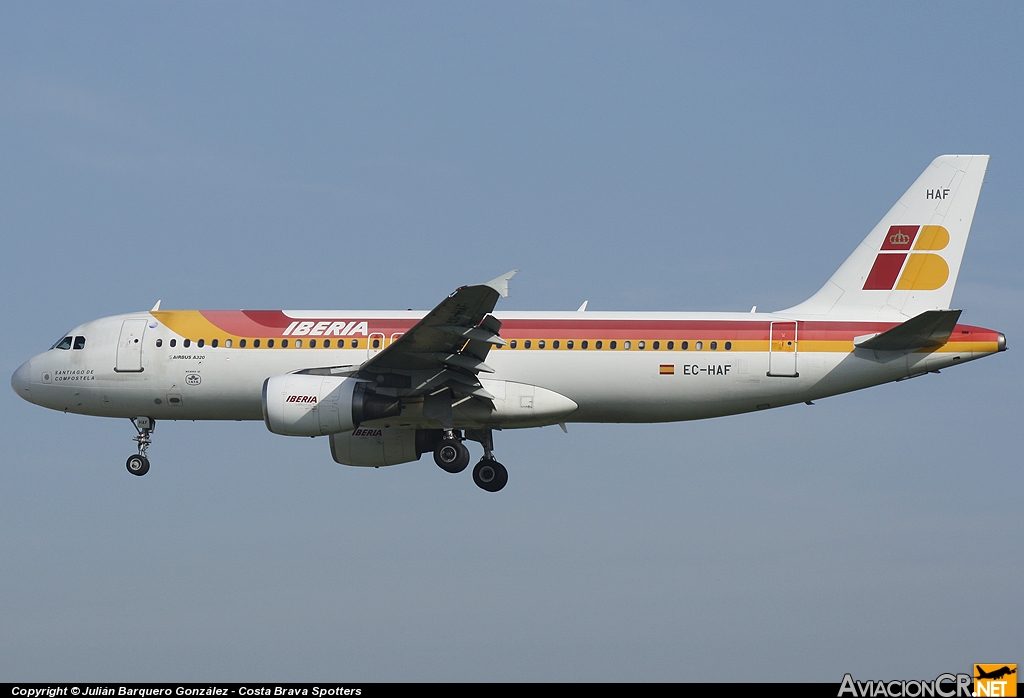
{"points": [[139, 464]]}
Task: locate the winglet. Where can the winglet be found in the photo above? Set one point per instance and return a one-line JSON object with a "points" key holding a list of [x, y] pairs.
{"points": [[155, 307], [500, 284]]}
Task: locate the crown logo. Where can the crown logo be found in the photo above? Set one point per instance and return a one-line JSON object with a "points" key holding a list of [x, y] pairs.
{"points": [[899, 238]]}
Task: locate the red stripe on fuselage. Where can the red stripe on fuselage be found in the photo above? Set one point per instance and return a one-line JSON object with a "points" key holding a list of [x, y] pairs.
{"points": [[266, 323]]}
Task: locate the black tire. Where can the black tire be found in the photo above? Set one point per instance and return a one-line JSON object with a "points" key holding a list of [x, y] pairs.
{"points": [[451, 456], [490, 475], [137, 465]]}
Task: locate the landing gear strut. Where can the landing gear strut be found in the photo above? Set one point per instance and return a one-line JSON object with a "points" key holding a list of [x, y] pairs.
{"points": [[451, 454], [139, 464], [489, 474]]}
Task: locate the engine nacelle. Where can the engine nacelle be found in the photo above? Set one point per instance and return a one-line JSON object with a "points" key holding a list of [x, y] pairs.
{"points": [[308, 405], [374, 447]]}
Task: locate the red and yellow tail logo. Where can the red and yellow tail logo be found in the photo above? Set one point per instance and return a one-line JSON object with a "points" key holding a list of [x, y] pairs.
{"points": [[905, 250]]}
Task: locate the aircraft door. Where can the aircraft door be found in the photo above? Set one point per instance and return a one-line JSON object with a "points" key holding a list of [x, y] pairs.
{"points": [[129, 346], [782, 350], [374, 343]]}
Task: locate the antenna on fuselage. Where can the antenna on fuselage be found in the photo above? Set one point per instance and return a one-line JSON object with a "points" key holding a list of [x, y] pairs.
{"points": [[155, 307]]}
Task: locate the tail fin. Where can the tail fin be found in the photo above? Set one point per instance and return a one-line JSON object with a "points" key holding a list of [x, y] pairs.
{"points": [[909, 262]]}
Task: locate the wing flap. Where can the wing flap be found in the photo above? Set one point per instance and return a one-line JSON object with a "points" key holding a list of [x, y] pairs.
{"points": [[447, 348]]}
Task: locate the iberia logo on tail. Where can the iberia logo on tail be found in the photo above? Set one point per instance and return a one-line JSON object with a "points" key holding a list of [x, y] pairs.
{"points": [[909, 249]]}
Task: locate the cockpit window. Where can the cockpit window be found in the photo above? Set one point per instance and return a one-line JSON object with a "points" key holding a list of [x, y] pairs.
{"points": [[63, 344], [79, 342]]}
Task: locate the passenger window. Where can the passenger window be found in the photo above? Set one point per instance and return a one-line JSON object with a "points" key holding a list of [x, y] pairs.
{"points": [[284, 343], [79, 342], [671, 345], [641, 345], [355, 343], [684, 346], [270, 343], [227, 343], [63, 344], [201, 343], [698, 345], [241, 343], [598, 344], [526, 344], [583, 344], [568, 345], [540, 344], [159, 342], [174, 342], [214, 343], [256, 343], [657, 345], [512, 344], [376, 344], [554, 344], [714, 346], [312, 343], [612, 344], [728, 346], [327, 343], [187, 343], [626, 345]]}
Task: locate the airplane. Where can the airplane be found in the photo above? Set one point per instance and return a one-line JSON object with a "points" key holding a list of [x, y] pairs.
{"points": [[995, 674], [388, 387]]}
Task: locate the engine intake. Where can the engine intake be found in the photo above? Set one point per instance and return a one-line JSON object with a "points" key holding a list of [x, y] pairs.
{"points": [[307, 405]]}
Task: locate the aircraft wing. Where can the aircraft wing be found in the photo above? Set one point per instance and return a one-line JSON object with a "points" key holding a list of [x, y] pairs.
{"points": [[446, 349]]}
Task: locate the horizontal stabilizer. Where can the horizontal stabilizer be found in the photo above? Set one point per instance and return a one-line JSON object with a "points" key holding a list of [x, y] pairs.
{"points": [[929, 329]]}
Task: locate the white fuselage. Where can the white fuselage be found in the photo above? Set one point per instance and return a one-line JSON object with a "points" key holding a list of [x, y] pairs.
{"points": [[623, 384]]}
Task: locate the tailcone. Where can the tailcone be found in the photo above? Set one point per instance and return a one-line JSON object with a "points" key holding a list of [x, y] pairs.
{"points": [[1001, 342]]}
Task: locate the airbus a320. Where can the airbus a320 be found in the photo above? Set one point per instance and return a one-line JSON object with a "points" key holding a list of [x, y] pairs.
{"points": [[387, 387]]}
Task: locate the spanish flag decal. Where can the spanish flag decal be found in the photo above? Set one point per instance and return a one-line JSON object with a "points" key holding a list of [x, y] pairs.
{"points": [[667, 369]]}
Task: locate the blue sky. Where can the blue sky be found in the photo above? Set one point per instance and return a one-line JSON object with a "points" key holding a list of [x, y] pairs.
{"points": [[656, 156]]}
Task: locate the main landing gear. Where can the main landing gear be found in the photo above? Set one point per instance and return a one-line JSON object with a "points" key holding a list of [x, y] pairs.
{"points": [[139, 464], [453, 456]]}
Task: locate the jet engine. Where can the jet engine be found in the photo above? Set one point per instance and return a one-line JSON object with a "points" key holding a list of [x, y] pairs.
{"points": [[369, 446], [307, 405]]}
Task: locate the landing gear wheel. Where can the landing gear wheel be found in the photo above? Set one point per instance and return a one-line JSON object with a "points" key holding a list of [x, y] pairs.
{"points": [[137, 465], [451, 455], [490, 475]]}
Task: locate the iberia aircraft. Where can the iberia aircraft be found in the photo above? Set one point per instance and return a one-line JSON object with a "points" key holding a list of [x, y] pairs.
{"points": [[387, 387]]}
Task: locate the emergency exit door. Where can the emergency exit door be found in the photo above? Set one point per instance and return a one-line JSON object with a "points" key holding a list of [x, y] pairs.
{"points": [[782, 350]]}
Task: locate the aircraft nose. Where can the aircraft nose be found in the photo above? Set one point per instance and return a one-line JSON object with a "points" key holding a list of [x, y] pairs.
{"points": [[20, 380]]}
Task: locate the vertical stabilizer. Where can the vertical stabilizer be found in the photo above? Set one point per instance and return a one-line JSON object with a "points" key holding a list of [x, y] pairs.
{"points": [[909, 262]]}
